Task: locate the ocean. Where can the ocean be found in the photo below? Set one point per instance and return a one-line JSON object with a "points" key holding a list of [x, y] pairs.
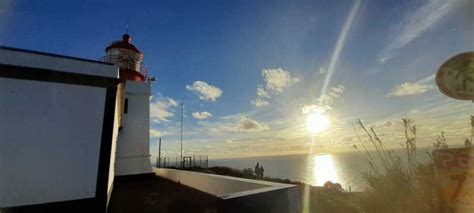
{"points": [[345, 168]]}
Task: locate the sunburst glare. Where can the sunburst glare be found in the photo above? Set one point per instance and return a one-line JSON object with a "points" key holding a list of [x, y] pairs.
{"points": [[317, 122]]}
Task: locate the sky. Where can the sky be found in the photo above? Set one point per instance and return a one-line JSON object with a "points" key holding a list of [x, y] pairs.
{"points": [[250, 73]]}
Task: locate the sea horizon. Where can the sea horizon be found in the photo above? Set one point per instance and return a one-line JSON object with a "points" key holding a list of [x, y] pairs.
{"points": [[346, 168]]}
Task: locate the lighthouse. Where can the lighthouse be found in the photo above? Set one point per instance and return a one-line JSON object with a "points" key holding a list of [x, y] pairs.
{"points": [[72, 128], [133, 147]]}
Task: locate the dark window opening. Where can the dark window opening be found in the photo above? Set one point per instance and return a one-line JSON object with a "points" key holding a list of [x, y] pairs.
{"points": [[125, 108]]}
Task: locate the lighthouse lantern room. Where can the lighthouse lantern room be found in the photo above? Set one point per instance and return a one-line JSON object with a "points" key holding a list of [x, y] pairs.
{"points": [[128, 58], [133, 148]]}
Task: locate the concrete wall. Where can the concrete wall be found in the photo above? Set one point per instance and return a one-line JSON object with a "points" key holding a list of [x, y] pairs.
{"points": [[218, 185], [50, 141], [133, 147], [275, 201], [50, 132], [239, 194]]}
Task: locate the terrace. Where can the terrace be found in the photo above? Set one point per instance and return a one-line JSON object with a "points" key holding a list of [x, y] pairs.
{"points": [[172, 190]]}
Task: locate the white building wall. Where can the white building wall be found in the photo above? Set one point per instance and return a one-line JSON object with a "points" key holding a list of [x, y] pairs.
{"points": [[50, 133], [50, 136], [113, 151], [133, 146]]}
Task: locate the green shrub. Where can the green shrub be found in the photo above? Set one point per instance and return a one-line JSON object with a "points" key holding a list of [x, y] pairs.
{"points": [[248, 172]]}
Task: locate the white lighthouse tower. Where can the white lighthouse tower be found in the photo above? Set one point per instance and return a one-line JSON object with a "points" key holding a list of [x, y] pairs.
{"points": [[133, 147]]}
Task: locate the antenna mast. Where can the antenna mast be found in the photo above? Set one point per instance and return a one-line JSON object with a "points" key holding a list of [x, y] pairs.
{"points": [[181, 160]]}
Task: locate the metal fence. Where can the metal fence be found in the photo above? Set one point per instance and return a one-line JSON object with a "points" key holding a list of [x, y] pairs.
{"points": [[198, 161]]}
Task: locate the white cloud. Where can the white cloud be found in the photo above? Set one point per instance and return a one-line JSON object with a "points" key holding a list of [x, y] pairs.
{"points": [[407, 88], [205, 91], [234, 116], [334, 93], [314, 108], [258, 102], [202, 115], [246, 124], [162, 110], [238, 124], [426, 79], [325, 101], [278, 79], [337, 91], [323, 70], [262, 93], [172, 102], [416, 23], [155, 133]]}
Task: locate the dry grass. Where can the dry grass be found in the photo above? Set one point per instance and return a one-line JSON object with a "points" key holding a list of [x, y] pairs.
{"points": [[398, 183]]}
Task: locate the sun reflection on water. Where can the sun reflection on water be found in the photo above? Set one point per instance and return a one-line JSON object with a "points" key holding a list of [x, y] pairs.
{"points": [[323, 169]]}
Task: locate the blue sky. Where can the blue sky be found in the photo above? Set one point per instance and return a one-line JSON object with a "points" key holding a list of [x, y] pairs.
{"points": [[251, 70]]}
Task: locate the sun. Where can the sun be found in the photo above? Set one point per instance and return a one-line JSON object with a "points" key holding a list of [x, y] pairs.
{"points": [[317, 122]]}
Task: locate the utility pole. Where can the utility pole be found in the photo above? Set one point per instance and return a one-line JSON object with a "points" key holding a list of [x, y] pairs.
{"points": [[182, 108], [159, 154]]}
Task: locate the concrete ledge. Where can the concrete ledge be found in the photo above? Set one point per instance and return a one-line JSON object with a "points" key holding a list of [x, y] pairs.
{"points": [[28, 58], [239, 194]]}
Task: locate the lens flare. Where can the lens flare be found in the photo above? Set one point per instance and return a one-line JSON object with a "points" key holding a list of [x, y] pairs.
{"points": [[317, 122], [339, 45], [334, 58]]}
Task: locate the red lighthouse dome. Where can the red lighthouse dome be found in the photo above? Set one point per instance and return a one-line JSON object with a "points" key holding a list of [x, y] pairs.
{"points": [[128, 58]]}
